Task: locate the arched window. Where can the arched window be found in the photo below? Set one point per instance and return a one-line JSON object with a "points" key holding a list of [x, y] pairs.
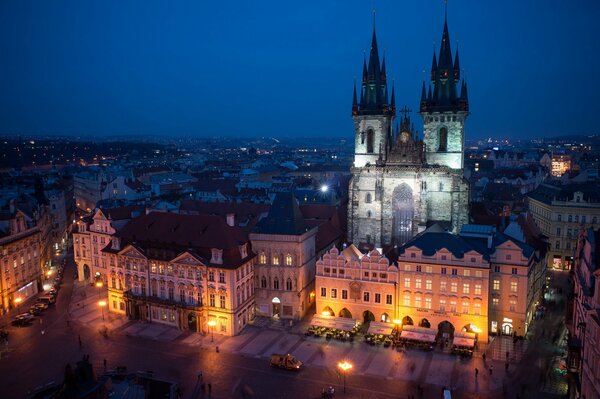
{"points": [[263, 282], [262, 258], [370, 140], [443, 140], [275, 260], [276, 283], [369, 214], [368, 198], [288, 284], [288, 260]]}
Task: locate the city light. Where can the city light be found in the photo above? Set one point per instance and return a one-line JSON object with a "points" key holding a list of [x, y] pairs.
{"points": [[212, 325], [344, 366], [324, 188]]}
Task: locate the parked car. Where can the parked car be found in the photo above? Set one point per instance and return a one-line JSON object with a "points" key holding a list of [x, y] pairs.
{"points": [[41, 305], [47, 299], [35, 310], [3, 334], [23, 319]]}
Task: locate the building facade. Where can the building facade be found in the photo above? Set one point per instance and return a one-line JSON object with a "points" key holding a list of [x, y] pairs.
{"points": [[286, 249], [476, 281], [21, 271], [560, 211], [584, 329], [181, 270], [400, 182]]}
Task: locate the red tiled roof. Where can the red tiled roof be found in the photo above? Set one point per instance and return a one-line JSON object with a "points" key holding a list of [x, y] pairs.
{"points": [[171, 234]]}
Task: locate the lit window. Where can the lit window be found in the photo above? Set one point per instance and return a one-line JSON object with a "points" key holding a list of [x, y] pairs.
{"points": [[428, 303], [418, 283], [288, 260], [428, 285], [442, 305], [496, 285], [477, 289], [323, 291], [453, 306], [262, 258], [334, 293], [417, 301], [453, 286], [407, 300], [366, 296], [513, 286], [465, 307], [407, 282], [495, 302], [512, 305], [477, 309], [443, 286], [275, 260], [466, 288]]}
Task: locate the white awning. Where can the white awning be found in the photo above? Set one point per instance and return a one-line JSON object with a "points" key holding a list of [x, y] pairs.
{"points": [[340, 323], [460, 341], [417, 336], [380, 328]]}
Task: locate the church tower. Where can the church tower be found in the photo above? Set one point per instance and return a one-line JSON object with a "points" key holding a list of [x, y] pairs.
{"points": [[372, 113], [444, 110]]}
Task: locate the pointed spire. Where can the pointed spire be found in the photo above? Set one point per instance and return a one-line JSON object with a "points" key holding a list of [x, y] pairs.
{"points": [[423, 93], [364, 78], [445, 62], [433, 67], [374, 68], [456, 66], [429, 94], [383, 73]]}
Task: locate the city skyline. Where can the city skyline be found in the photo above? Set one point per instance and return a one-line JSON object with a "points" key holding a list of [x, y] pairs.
{"points": [[209, 70]]}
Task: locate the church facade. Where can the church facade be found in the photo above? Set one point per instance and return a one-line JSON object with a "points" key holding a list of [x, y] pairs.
{"points": [[401, 183]]}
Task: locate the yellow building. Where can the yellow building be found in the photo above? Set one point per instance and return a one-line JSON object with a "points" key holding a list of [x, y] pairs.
{"points": [[438, 280], [559, 212], [561, 164]]}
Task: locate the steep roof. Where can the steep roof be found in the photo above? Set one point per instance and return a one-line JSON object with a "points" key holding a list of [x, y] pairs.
{"points": [[284, 217]]}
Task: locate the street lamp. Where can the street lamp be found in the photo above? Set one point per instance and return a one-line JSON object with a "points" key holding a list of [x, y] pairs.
{"points": [[102, 304], [345, 366], [18, 302], [212, 325], [99, 284]]}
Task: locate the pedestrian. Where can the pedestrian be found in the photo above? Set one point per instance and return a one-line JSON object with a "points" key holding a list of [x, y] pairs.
{"points": [[80, 345], [476, 372], [491, 369], [209, 388], [68, 321], [104, 364], [506, 366], [507, 354], [483, 356]]}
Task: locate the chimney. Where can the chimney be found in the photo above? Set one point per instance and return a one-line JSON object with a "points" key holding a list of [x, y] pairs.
{"points": [[231, 219]]}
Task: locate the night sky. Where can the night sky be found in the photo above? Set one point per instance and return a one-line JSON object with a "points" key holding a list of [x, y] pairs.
{"points": [[281, 68]]}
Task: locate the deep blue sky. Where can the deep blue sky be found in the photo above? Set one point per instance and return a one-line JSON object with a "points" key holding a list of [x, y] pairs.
{"points": [[286, 68]]}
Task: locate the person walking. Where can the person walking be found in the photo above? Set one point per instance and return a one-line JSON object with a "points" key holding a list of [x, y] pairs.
{"points": [[483, 356], [209, 388], [104, 364], [476, 372], [80, 344], [491, 369]]}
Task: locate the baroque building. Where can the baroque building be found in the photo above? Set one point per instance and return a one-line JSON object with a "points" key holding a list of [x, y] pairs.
{"points": [[476, 281], [401, 183]]}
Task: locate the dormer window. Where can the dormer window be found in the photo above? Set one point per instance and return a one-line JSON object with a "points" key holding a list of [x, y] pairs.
{"points": [[217, 256], [243, 251]]}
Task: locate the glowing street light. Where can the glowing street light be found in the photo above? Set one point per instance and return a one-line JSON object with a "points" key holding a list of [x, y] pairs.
{"points": [[212, 325], [324, 188], [99, 284], [18, 302], [344, 366], [102, 304]]}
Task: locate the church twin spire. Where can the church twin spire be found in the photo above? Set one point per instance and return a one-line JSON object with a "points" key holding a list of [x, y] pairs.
{"points": [[374, 90], [445, 75]]}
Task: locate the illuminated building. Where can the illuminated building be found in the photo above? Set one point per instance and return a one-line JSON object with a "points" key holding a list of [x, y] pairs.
{"points": [[561, 164], [559, 212], [476, 281]]}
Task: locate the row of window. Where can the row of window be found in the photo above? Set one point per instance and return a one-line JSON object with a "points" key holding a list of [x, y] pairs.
{"points": [[366, 295], [275, 259], [575, 218], [514, 286], [512, 304], [275, 283]]}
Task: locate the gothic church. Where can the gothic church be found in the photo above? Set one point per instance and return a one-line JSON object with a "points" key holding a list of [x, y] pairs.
{"points": [[402, 183]]}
